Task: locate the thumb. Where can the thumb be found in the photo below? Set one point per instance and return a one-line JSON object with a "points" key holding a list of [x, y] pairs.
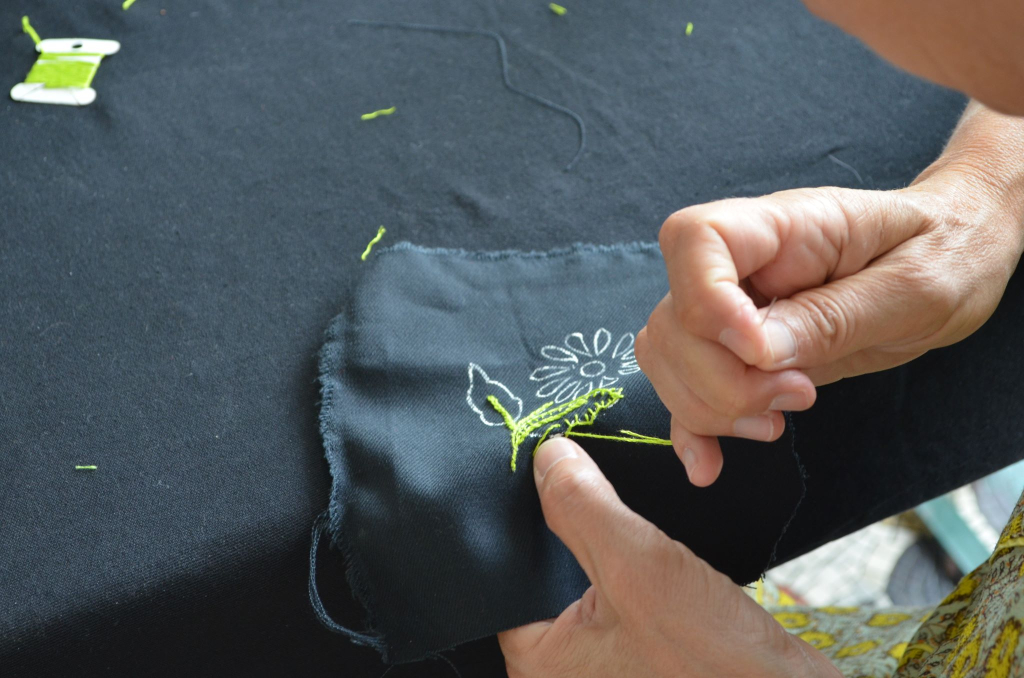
{"points": [[583, 510], [819, 326]]}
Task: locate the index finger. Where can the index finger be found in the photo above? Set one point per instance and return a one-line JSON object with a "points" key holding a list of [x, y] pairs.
{"points": [[707, 253]]}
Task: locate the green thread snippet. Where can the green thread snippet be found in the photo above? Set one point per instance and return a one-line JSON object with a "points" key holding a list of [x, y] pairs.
{"points": [[557, 9], [85, 468], [377, 114], [376, 239], [689, 28], [578, 412], [126, 4], [27, 28]]}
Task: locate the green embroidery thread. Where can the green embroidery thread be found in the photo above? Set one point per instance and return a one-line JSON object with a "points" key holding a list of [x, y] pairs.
{"points": [[557, 9], [689, 28], [583, 411], [376, 239], [85, 468], [126, 4], [377, 114], [60, 69]]}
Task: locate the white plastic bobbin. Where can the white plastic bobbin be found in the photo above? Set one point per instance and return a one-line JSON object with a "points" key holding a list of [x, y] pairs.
{"points": [[39, 93]]}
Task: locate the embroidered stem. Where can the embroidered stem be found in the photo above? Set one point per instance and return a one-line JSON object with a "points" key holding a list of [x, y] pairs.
{"points": [[578, 412]]}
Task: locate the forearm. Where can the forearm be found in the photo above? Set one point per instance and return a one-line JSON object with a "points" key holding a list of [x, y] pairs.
{"points": [[974, 47]]}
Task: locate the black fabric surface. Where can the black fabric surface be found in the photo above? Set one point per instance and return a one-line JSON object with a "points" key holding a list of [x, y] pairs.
{"points": [[444, 542], [171, 255]]}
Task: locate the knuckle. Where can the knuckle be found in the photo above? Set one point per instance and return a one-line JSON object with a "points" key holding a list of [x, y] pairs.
{"points": [[938, 292], [828, 321], [673, 229], [691, 315], [693, 424]]}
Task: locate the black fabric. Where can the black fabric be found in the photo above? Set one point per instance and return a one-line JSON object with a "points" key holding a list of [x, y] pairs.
{"points": [[444, 542], [171, 255]]}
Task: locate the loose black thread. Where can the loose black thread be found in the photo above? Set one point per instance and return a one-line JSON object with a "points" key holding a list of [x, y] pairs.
{"points": [[846, 166], [503, 52], [319, 527], [449, 662]]}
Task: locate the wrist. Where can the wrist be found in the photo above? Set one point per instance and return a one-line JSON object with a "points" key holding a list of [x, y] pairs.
{"points": [[979, 178]]}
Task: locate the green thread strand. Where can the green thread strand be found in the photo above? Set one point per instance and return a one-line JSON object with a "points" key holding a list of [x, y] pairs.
{"points": [[496, 404], [634, 438], [63, 70], [126, 4], [689, 28], [376, 239], [27, 28], [543, 437], [377, 114], [85, 468], [557, 9], [578, 412]]}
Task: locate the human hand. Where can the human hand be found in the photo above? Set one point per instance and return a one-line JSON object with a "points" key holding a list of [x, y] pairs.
{"points": [[654, 609], [865, 281]]}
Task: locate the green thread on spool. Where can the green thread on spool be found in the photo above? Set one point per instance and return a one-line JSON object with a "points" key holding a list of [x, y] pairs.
{"points": [[64, 69], [377, 114], [27, 28], [557, 9], [376, 239]]}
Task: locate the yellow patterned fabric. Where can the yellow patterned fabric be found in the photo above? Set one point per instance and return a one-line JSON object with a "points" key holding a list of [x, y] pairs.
{"points": [[975, 631], [860, 642]]}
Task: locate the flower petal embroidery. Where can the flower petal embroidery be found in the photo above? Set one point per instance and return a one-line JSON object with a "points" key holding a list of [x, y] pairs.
{"points": [[548, 372], [550, 388], [633, 368], [566, 392], [601, 340], [584, 387], [575, 342], [625, 344], [559, 354], [607, 381]]}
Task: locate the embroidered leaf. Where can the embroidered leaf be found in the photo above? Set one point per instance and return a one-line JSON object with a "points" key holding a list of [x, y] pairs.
{"points": [[481, 389]]}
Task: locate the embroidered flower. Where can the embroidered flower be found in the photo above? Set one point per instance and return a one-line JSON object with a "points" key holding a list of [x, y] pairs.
{"points": [[579, 366]]}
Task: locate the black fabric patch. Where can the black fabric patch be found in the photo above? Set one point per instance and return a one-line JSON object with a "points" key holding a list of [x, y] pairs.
{"points": [[444, 543]]}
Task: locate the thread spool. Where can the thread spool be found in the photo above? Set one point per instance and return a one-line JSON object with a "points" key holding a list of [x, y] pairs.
{"points": [[64, 70]]}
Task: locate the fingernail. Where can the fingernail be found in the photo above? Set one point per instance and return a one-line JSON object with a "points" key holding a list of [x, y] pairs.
{"points": [[550, 453], [689, 461], [738, 344], [781, 341], [789, 402], [755, 428]]}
